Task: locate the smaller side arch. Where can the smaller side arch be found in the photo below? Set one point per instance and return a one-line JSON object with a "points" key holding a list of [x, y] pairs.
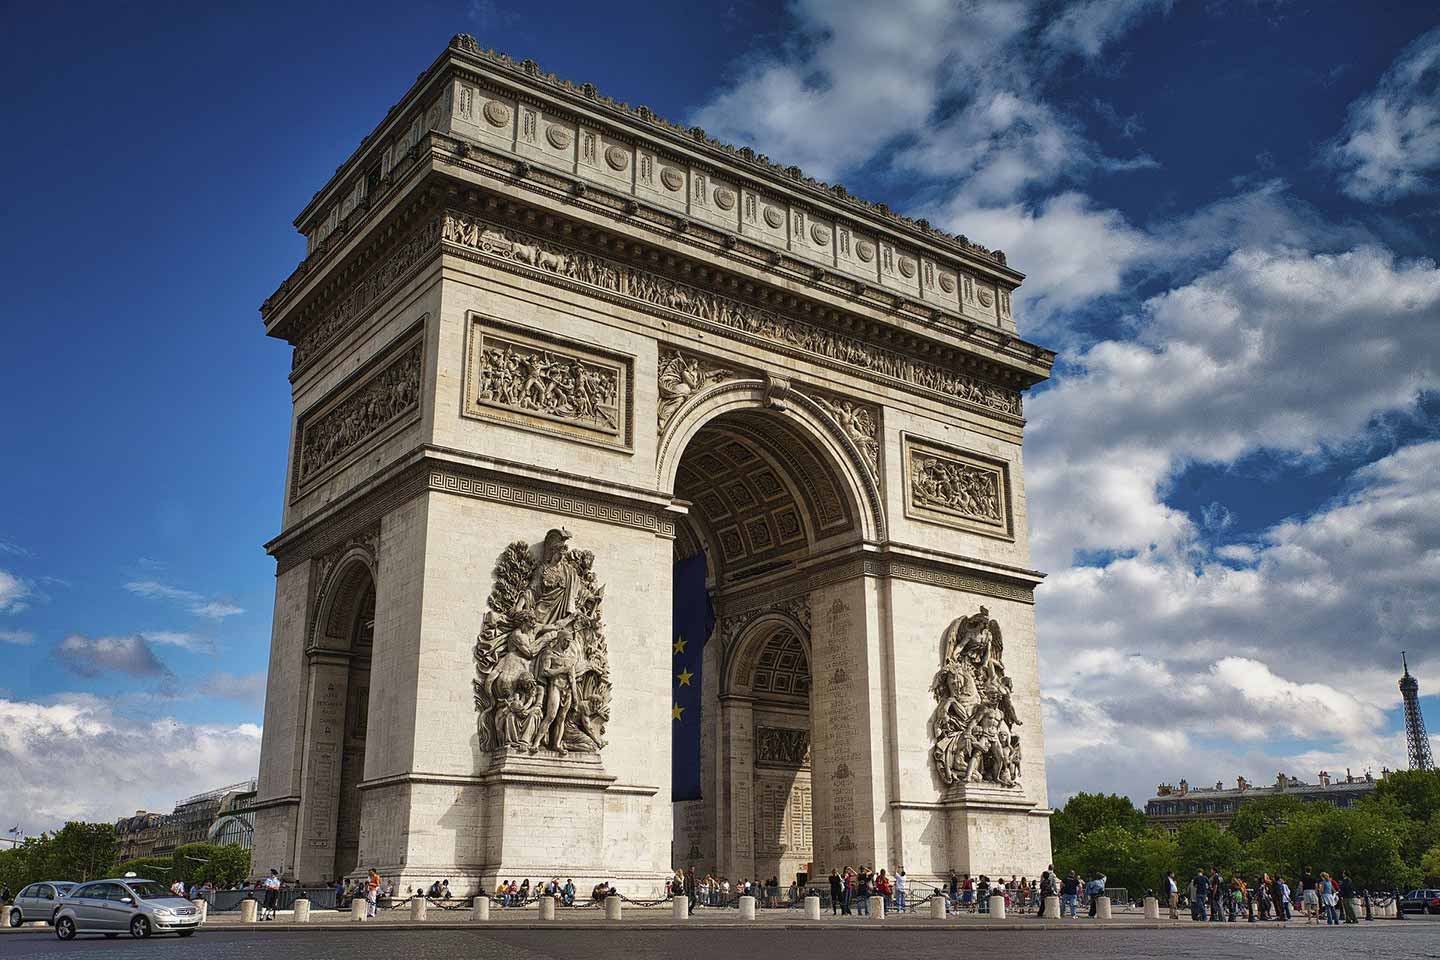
{"points": [[741, 656], [340, 592]]}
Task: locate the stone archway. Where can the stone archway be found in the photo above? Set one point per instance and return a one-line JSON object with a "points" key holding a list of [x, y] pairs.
{"points": [[337, 722], [774, 490]]}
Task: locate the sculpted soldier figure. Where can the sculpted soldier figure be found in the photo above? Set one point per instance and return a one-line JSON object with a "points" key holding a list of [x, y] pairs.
{"points": [[975, 720]]}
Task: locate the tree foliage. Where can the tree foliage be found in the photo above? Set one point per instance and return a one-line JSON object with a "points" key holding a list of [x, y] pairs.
{"points": [[77, 851], [1086, 812], [198, 863]]}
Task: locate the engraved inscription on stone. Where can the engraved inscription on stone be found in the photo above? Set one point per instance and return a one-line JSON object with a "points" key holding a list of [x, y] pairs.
{"points": [[361, 412], [542, 382], [957, 488]]}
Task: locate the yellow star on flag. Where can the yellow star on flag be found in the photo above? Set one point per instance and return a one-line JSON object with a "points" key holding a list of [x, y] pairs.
{"points": [[680, 645], [684, 677], [675, 712]]}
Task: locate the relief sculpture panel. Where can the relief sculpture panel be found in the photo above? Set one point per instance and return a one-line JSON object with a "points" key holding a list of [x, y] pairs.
{"points": [[975, 722], [541, 382], [957, 488]]}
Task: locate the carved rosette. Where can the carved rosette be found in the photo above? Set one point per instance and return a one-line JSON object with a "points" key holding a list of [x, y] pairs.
{"points": [[680, 377], [859, 422], [542, 672], [975, 722]]}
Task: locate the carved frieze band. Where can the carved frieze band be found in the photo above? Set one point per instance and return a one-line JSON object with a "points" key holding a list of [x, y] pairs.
{"points": [[367, 292], [383, 395], [782, 746], [539, 381], [957, 488], [510, 246], [485, 488]]}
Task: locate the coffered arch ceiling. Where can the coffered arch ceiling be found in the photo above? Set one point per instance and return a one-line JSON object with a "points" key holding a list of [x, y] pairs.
{"points": [[761, 495]]}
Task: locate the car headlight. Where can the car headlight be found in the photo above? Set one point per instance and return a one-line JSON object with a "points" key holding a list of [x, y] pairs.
{"points": [[164, 912]]}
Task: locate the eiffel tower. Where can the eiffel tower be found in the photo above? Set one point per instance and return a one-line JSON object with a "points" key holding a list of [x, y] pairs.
{"points": [[1416, 740]]}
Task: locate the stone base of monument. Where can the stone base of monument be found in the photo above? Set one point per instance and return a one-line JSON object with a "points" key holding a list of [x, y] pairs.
{"points": [[987, 823], [302, 910], [248, 910], [480, 909], [1152, 908], [612, 908], [747, 908], [358, 908], [997, 908], [812, 908], [1102, 908], [679, 908], [877, 908]]}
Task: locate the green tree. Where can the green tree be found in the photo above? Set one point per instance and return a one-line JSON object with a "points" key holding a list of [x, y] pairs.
{"points": [[148, 868], [1201, 845], [1257, 816], [1085, 812], [1430, 865], [1361, 840], [200, 862], [82, 851], [1416, 792]]}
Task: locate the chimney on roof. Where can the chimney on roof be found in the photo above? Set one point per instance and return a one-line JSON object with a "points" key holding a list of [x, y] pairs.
{"points": [[1184, 787], [1348, 777], [1280, 780], [1324, 778], [1219, 784], [1164, 790]]}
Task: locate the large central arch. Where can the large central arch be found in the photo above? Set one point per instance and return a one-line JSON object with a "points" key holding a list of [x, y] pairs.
{"points": [[772, 490]]}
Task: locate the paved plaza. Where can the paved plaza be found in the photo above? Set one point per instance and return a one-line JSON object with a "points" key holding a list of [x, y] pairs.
{"points": [[641, 940]]}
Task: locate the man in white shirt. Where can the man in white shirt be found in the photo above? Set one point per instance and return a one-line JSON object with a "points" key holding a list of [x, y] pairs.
{"points": [[900, 890], [1172, 891]]}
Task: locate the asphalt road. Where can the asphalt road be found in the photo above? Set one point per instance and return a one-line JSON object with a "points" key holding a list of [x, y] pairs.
{"points": [[1392, 941]]}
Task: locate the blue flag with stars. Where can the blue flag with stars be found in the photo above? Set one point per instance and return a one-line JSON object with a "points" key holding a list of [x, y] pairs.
{"points": [[691, 621]]}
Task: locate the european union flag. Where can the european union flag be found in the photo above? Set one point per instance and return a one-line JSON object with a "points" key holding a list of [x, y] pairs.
{"points": [[691, 620]]}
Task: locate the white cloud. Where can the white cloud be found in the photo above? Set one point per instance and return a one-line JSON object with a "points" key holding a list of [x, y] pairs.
{"points": [[13, 548], [1390, 146], [175, 638], [15, 592], [19, 637], [76, 758], [91, 657], [198, 604], [1085, 28], [246, 687]]}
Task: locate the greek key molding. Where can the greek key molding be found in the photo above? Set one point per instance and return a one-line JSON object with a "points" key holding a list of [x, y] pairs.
{"points": [[565, 504], [630, 286], [375, 402], [959, 488]]}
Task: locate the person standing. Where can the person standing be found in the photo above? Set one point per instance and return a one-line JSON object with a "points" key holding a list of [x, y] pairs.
{"points": [[1309, 896], [837, 891], [862, 892], [1199, 895], [272, 894], [1217, 896], [372, 894], [1172, 894], [1347, 897], [1095, 889], [900, 883], [1069, 894]]}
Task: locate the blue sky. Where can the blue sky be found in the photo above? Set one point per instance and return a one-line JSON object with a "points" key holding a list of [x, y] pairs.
{"points": [[1227, 212]]}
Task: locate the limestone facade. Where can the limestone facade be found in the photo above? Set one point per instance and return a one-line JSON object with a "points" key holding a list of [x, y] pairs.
{"points": [[528, 308]]}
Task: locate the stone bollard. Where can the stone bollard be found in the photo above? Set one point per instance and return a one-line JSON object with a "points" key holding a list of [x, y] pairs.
{"points": [[247, 911], [877, 908], [747, 908], [203, 906], [937, 908], [419, 907], [1102, 908], [1152, 908], [997, 908], [612, 907], [812, 908], [680, 908], [358, 909], [1051, 910], [547, 907], [480, 909], [302, 910]]}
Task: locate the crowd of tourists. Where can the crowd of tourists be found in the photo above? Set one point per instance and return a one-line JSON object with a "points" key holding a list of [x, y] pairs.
{"points": [[1214, 897]]}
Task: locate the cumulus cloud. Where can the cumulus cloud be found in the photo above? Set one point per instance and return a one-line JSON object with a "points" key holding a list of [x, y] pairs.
{"points": [[15, 592], [77, 758], [1390, 146], [131, 655], [212, 608], [180, 639]]}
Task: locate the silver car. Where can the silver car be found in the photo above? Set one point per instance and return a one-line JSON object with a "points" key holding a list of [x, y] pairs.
{"points": [[38, 902], [113, 907]]}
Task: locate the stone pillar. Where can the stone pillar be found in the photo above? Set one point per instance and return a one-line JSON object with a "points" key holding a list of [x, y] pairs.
{"points": [[747, 908], [735, 776], [1152, 908], [247, 911], [997, 907], [203, 906], [547, 908], [480, 909], [1051, 909], [812, 908], [1102, 908], [419, 907], [877, 908], [679, 908], [358, 908], [612, 907], [302, 910], [937, 907], [324, 735]]}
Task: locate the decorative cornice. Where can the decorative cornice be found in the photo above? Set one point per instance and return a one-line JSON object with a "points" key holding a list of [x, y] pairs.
{"points": [[537, 496]]}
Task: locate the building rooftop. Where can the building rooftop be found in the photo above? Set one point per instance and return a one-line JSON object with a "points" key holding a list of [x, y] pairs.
{"points": [[1283, 784]]}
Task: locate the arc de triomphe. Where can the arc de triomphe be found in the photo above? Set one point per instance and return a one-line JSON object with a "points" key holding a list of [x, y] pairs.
{"points": [[546, 344]]}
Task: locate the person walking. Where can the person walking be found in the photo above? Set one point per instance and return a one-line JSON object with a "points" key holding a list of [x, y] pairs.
{"points": [[1347, 897], [1329, 894], [1172, 894]]}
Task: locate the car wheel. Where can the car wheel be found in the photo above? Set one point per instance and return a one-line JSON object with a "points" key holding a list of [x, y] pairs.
{"points": [[139, 928], [64, 928], [16, 918], [185, 933]]}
